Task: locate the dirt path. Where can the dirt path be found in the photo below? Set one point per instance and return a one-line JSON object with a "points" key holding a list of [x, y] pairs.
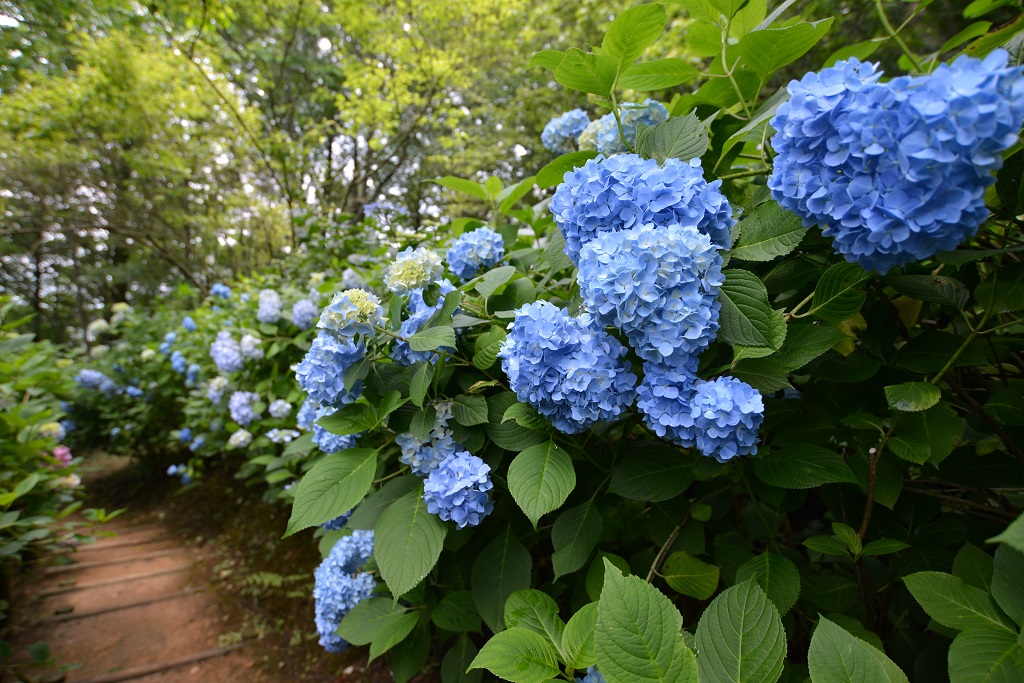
{"points": [[135, 608]]}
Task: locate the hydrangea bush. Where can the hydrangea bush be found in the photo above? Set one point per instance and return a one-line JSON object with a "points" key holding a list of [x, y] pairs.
{"points": [[728, 391]]}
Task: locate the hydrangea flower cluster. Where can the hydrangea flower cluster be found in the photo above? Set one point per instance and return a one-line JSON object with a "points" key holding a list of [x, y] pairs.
{"points": [[250, 347], [226, 353], [136, 392], [189, 324], [588, 137], [350, 279], [269, 306], [352, 313], [94, 379], [457, 490], [632, 114], [593, 676], [191, 375], [185, 435], [569, 369], [168, 342], [96, 328], [659, 285], [216, 388], [52, 430], [241, 407], [561, 132], [413, 269], [221, 291], [895, 172], [339, 586], [304, 312], [197, 443], [325, 440], [423, 457], [419, 313], [480, 248], [180, 471], [147, 355], [62, 454], [306, 415], [726, 414], [178, 362], [280, 409], [240, 439], [338, 523], [626, 191], [282, 435], [321, 374]]}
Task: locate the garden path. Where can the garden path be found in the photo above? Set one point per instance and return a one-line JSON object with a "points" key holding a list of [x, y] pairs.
{"points": [[133, 608]]}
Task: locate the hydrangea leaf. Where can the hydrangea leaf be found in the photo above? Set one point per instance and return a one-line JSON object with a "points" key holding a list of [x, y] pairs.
{"points": [[410, 656], [740, 637], [470, 187], [926, 436], [527, 416], [770, 49], [589, 73], [501, 569], [487, 346], [764, 374], [804, 343], [535, 611], [1007, 406], [518, 655], [541, 478], [492, 280], [690, 576], [1006, 292], [420, 383], [574, 536], [657, 74], [554, 171], [769, 231], [651, 471], [638, 637], [509, 435], [512, 194], [758, 129], [986, 655], [838, 295], [332, 488], [456, 662], [578, 638], [408, 541], [836, 656], [681, 137], [936, 289], [1013, 535], [1008, 582], [469, 410], [445, 314], [457, 613], [746, 317], [433, 338], [954, 604], [633, 31], [373, 618], [929, 352], [777, 576], [367, 512], [548, 59], [803, 466], [912, 397], [974, 566]]}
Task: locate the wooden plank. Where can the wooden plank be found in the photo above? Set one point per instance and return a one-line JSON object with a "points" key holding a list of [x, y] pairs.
{"points": [[72, 616], [122, 543], [121, 560], [110, 582], [149, 669]]}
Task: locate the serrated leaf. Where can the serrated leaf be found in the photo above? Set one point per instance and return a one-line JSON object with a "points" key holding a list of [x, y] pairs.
{"points": [[472, 188], [974, 566], [769, 231], [553, 173], [937, 289], [1013, 536], [457, 613], [455, 666], [826, 545], [803, 466], [554, 257], [351, 419], [837, 656], [510, 195], [535, 611], [929, 352], [777, 576], [487, 346], [540, 479], [757, 129], [926, 436], [681, 137], [420, 383], [365, 516], [574, 536], [407, 542], [526, 415], [953, 603], [469, 410], [657, 74], [633, 31], [638, 637], [986, 655], [519, 656], [501, 569], [547, 59], [332, 488], [1008, 582], [838, 296], [651, 472], [804, 343], [740, 637], [493, 279], [377, 622], [764, 374], [444, 315], [509, 435], [912, 397], [769, 49], [883, 546], [746, 317], [1007, 406], [589, 73], [433, 338], [578, 639], [690, 576]]}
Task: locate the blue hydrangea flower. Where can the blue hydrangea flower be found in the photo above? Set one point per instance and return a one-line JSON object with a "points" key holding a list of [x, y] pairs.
{"points": [[68, 424], [480, 248], [338, 523], [895, 172], [94, 379], [353, 313], [419, 313], [173, 470], [178, 362], [725, 414], [306, 415], [350, 279], [189, 324], [282, 435], [280, 409], [215, 389], [632, 114], [457, 490], [413, 269], [269, 306], [561, 132], [425, 457], [321, 374], [134, 391], [593, 676], [664, 397], [626, 191], [197, 443], [569, 369], [167, 343], [250, 346], [241, 407], [226, 353], [339, 587], [192, 374], [304, 312], [221, 291], [325, 440], [659, 285], [185, 435]]}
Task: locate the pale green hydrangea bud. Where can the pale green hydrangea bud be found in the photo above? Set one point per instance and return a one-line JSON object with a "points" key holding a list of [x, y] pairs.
{"points": [[414, 269]]}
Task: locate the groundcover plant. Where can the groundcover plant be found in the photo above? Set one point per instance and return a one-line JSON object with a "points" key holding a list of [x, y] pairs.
{"points": [[729, 391]]}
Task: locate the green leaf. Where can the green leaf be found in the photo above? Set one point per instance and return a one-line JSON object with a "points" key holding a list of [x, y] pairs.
{"points": [[574, 537], [540, 479], [553, 173], [974, 566], [594, 74], [407, 542], [420, 383], [1009, 290], [803, 466], [767, 50], [764, 374], [746, 316], [509, 435], [444, 315], [377, 622], [1007, 406], [777, 576], [519, 656], [826, 545], [690, 576], [411, 655], [40, 652], [681, 137], [547, 59], [954, 604], [633, 31], [510, 195], [740, 637], [769, 231], [526, 415], [488, 344], [469, 187], [457, 613], [836, 656], [332, 488], [554, 258], [927, 436], [1013, 536], [657, 74], [351, 419], [986, 655], [433, 338], [578, 639], [936, 289], [838, 295], [883, 546], [1008, 582], [501, 569], [457, 660], [757, 130], [638, 635], [804, 343], [493, 279], [366, 515], [912, 397], [535, 611], [929, 352], [469, 410], [651, 472]]}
